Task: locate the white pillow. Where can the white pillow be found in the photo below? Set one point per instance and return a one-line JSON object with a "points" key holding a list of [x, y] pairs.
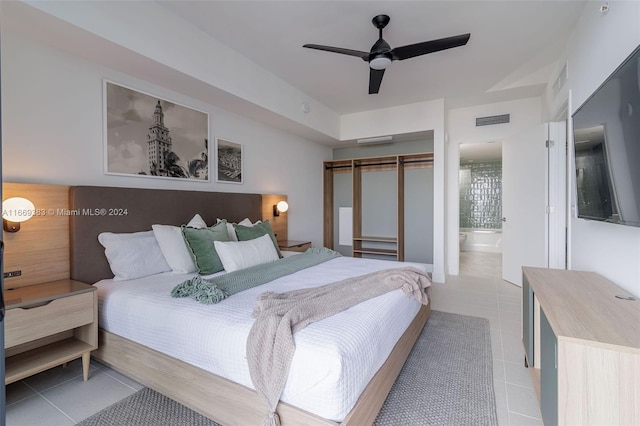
{"points": [[236, 255], [133, 255], [232, 231], [173, 246]]}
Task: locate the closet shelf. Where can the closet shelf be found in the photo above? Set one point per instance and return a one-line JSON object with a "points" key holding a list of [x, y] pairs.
{"points": [[385, 252], [377, 239]]}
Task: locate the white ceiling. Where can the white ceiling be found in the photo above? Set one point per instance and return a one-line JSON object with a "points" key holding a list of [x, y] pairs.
{"points": [[513, 46]]}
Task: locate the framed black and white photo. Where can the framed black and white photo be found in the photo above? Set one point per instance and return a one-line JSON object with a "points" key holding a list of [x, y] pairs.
{"points": [[146, 135], [228, 161]]}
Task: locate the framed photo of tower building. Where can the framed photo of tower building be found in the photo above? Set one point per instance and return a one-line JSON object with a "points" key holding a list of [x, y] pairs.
{"points": [[146, 135], [228, 161]]}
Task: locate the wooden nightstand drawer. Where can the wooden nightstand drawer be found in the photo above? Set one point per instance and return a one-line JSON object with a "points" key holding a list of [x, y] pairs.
{"points": [[49, 324], [30, 323]]}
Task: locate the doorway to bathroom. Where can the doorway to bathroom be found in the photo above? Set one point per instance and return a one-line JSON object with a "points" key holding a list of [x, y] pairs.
{"points": [[480, 197]]}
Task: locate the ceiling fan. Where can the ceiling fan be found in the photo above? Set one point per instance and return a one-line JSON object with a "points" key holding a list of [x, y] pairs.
{"points": [[381, 54]]}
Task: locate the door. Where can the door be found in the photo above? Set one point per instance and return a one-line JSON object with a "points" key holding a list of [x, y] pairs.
{"points": [[557, 195], [524, 188]]}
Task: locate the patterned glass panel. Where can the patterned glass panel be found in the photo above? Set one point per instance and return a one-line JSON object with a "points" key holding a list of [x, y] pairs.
{"points": [[481, 195]]}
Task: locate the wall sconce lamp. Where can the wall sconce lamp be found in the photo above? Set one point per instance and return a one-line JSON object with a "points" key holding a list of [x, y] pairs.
{"points": [[281, 207], [14, 211]]}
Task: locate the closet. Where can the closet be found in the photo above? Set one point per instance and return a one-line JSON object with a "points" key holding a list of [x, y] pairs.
{"points": [[392, 247]]}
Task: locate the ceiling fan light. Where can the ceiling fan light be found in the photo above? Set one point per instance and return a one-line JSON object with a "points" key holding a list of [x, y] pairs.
{"points": [[380, 63]]}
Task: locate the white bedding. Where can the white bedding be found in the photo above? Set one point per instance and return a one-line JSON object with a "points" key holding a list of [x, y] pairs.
{"points": [[334, 359]]}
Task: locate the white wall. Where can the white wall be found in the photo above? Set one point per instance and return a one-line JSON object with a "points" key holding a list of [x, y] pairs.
{"points": [[52, 133], [136, 27], [410, 118], [598, 44], [525, 114], [109, 33]]}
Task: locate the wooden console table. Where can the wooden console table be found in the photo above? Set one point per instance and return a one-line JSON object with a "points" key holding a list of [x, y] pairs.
{"points": [[582, 344]]}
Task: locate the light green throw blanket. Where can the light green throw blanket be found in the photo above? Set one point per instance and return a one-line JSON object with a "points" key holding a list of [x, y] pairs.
{"points": [[214, 290]]}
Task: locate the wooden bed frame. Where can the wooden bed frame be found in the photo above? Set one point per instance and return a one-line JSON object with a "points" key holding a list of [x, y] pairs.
{"points": [[215, 397], [229, 403]]}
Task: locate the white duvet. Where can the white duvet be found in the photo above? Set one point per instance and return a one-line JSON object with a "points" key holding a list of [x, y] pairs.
{"points": [[334, 360]]}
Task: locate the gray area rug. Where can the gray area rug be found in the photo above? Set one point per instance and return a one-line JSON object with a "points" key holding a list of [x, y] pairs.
{"points": [[447, 380]]}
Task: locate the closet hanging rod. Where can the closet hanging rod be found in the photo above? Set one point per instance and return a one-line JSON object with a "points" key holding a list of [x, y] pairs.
{"points": [[387, 163], [346, 166], [382, 163], [426, 160]]}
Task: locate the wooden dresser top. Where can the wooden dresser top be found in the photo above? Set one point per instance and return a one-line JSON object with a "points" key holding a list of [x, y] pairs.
{"points": [[582, 305]]}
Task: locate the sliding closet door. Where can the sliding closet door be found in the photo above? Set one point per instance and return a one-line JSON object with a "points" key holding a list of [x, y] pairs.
{"points": [[379, 220], [418, 215]]}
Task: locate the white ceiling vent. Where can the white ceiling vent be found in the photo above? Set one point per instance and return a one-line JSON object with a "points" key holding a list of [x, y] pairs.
{"points": [[493, 119]]}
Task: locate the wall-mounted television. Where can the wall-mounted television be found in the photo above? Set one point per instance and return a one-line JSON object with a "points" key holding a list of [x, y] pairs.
{"points": [[606, 134]]}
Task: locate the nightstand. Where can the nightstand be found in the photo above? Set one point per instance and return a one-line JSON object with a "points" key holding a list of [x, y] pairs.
{"points": [[47, 325], [290, 245]]}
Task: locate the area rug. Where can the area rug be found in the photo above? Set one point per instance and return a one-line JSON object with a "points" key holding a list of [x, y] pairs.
{"points": [[447, 380]]}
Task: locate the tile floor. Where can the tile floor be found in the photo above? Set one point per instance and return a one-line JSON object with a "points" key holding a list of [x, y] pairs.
{"points": [[59, 397], [480, 291]]}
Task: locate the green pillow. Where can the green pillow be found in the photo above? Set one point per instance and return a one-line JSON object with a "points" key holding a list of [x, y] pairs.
{"points": [[245, 233], [203, 251]]}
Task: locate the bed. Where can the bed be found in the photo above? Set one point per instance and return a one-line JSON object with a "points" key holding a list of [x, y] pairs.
{"points": [[218, 386]]}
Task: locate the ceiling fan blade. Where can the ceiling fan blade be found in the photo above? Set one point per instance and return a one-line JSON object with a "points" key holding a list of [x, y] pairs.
{"points": [[413, 50], [350, 52], [375, 78]]}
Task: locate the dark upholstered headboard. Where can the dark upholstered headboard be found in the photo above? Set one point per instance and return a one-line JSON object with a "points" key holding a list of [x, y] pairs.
{"points": [[144, 207]]}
